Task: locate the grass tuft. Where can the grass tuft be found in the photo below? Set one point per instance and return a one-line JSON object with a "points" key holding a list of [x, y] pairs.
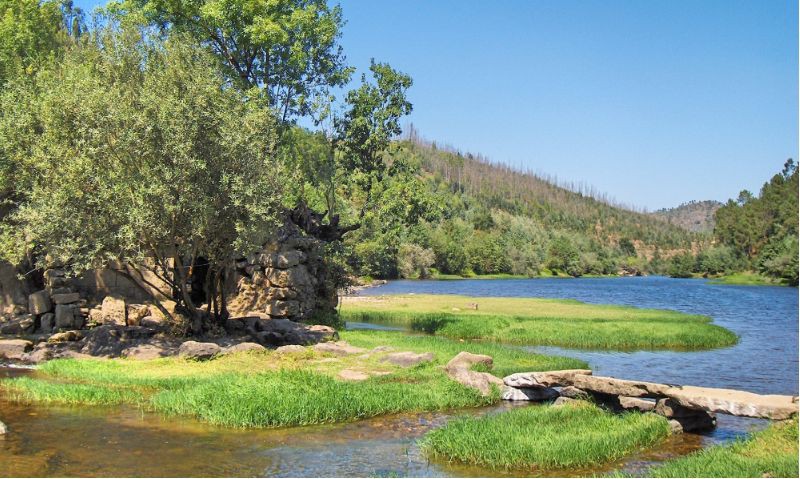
{"points": [[547, 322], [544, 437], [768, 453]]}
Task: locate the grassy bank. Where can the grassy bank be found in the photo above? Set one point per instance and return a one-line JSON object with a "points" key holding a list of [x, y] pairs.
{"points": [[266, 389], [768, 453], [545, 437], [535, 321], [748, 279]]}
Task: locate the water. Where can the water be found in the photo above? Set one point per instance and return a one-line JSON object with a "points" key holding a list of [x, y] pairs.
{"points": [[99, 441], [765, 317]]}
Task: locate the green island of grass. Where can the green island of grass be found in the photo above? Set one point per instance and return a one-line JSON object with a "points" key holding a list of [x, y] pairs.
{"points": [[768, 453], [268, 389], [748, 279], [544, 437], [534, 321]]}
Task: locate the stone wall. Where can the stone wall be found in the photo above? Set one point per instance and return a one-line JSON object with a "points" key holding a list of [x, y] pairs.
{"points": [[286, 280]]}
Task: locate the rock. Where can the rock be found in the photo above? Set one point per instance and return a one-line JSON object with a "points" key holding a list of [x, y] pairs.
{"points": [[465, 360], [545, 379], [23, 324], [339, 348], [3, 428], [407, 359], [283, 309], [573, 392], [65, 316], [319, 333], [114, 311], [702, 421], [483, 382], [382, 349], [136, 312], [562, 400], [670, 408], [291, 349], [111, 340], [152, 322], [353, 375], [39, 302], [281, 293], [237, 348], [235, 325], [528, 394], [285, 260], [14, 348], [459, 369], [145, 352], [167, 304], [636, 404], [65, 336], [198, 351], [737, 403], [47, 322], [66, 298], [619, 387]]}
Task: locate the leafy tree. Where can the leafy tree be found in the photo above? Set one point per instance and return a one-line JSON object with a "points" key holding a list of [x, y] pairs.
{"points": [[563, 256], [135, 154], [681, 266], [30, 33], [288, 48], [415, 261]]}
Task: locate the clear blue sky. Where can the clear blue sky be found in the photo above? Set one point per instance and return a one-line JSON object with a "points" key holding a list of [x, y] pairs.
{"points": [[653, 102]]}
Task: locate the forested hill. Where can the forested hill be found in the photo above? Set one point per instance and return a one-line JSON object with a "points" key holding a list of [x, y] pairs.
{"points": [[696, 216], [478, 217]]}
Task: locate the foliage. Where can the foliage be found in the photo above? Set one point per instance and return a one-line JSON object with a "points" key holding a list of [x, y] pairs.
{"points": [[763, 230], [132, 149], [288, 48], [768, 453], [681, 266], [545, 437], [414, 261]]}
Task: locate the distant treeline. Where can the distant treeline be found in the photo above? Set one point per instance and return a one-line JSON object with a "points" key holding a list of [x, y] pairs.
{"points": [[757, 233]]}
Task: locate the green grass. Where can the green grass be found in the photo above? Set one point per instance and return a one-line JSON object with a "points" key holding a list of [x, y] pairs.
{"points": [[507, 360], [265, 389], [535, 321], [748, 279], [768, 453], [544, 437]]}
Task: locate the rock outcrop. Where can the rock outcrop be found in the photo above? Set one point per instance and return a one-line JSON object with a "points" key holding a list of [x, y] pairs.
{"points": [[14, 348], [460, 369]]}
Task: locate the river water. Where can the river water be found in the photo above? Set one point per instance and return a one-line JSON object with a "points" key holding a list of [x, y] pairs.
{"points": [[99, 441]]}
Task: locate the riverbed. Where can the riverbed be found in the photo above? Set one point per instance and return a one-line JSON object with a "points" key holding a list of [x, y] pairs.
{"points": [[48, 440]]}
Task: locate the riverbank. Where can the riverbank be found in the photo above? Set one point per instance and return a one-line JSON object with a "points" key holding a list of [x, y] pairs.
{"points": [[535, 321], [378, 373]]}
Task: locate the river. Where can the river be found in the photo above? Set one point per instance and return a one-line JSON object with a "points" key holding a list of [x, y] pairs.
{"points": [[99, 441]]}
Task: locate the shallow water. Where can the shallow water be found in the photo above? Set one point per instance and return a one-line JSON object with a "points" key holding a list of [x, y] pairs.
{"points": [[99, 441]]}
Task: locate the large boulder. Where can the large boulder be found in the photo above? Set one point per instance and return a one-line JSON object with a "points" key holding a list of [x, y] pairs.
{"points": [[39, 302], [66, 298], [198, 351], [114, 311], [47, 322], [136, 312], [459, 369], [246, 346], [23, 324], [466, 360], [14, 348], [65, 317], [406, 359]]}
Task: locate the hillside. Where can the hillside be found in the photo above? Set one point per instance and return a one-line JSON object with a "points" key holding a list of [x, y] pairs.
{"points": [[462, 214], [694, 216]]}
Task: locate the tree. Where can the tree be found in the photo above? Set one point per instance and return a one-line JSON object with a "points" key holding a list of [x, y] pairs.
{"points": [[414, 261], [288, 48], [563, 256], [30, 33], [135, 153]]}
